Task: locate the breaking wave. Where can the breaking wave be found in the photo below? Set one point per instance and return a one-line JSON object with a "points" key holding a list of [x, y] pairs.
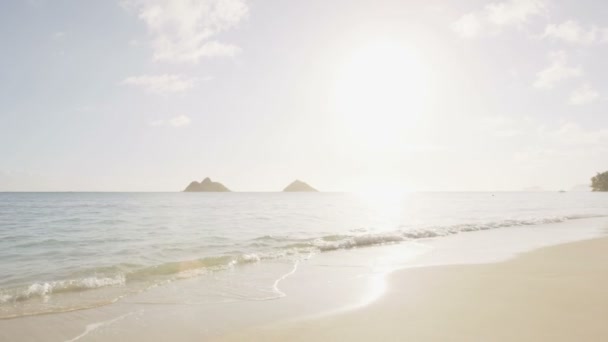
{"points": [[336, 242], [279, 247], [43, 289]]}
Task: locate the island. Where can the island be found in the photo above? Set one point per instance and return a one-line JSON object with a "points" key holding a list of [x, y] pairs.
{"points": [[207, 185], [299, 186]]}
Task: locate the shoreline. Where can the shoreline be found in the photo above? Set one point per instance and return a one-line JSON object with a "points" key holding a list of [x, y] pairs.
{"points": [[553, 293], [323, 291]]}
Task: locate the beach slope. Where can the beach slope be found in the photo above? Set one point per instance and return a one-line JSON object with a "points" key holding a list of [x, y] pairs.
{"points": [[551, 294]]}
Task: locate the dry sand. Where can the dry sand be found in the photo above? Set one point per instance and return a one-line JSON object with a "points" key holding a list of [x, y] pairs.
{"points": [[557, 293]]}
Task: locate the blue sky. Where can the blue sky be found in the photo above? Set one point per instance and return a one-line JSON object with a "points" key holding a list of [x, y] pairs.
{"points": [[147, 95]]}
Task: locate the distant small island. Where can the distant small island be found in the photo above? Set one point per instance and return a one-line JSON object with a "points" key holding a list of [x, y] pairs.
{"points": [[206, 186], [299, 186]]}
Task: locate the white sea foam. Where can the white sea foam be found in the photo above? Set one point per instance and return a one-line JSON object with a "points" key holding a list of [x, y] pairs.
{"points": [[94, 326], [4, 298], [275, 285], [45, 289], [334, 242], [247, 258], [39, 289]]}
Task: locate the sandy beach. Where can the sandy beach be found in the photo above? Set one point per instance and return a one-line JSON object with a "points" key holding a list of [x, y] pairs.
{"points": [[555, 293]]}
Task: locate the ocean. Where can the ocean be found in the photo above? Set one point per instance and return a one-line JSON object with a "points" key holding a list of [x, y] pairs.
{"points": [[69, 251]]}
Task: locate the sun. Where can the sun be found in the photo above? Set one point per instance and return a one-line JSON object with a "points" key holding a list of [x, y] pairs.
{"points": [[379, 94]]}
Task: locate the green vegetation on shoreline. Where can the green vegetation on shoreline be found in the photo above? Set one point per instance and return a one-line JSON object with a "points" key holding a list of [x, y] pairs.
{"points": [[600, 182]]}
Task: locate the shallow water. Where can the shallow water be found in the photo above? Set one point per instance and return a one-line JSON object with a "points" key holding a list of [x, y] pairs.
{"points": [[66, 251]]}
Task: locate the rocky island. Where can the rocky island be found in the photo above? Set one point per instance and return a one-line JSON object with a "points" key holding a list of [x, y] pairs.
{"points": [[299, 186], [206, 186]]}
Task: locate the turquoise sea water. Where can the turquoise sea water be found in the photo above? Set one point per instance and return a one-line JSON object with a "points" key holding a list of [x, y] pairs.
{"points": [[65, 251]]}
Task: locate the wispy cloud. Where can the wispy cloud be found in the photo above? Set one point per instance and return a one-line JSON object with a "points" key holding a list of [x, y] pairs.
{"points": [[160, 83], [177, 121], [583, 95], [186, 30], [557, 71], [514, 12], [496, 16], [59, 35], [468, 26], [572, 32]]}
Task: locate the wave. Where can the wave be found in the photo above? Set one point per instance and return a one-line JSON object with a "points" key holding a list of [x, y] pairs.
{"points": [[358, 241], [336, 242], [279, 247], [44, 289], [161, 272]]}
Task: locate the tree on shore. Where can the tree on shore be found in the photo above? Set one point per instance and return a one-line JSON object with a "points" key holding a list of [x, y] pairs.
{"points": [[600, 182]]}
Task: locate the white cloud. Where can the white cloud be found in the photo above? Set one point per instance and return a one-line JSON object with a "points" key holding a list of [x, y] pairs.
{"points": [[557, 71], [495, 16], [177, 121], [514, 12], [468, 26], [160, 83], [186, 30], [572, 32], [584, 94]]}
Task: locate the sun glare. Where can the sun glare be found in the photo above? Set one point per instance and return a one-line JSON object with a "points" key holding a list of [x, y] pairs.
{"points": [[380, 92], [386, 203]]}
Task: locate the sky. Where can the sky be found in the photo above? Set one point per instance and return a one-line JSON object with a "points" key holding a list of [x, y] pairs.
{"points": [[148, 95]]}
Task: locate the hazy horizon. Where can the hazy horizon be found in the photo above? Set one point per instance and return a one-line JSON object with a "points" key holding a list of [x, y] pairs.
{"points": [[577, 188], [149, 95]]}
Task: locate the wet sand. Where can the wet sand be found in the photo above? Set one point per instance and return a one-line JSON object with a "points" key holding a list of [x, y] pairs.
{"points": [[556, 293]]}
